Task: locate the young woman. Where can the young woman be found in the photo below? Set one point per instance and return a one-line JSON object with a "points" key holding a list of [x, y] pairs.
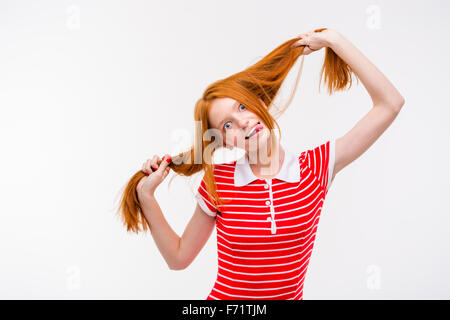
{"points": [[266, 205]]}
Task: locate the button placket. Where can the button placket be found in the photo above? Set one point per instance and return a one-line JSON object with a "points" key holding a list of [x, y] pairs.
{"points": [[273, 226]]}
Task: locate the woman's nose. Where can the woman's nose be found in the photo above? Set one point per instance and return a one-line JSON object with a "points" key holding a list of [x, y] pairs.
{"points": [[244, 123]]}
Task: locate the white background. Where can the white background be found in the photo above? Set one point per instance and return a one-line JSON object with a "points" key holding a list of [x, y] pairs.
{"points": [[90, 89]]}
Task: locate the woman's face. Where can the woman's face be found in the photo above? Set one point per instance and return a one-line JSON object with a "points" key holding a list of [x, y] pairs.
{"points": [[235, 122]]}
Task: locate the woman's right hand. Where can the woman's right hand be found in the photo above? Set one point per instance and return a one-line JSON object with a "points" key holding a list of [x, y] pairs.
{"points": [[314, 40], [156, 170]]}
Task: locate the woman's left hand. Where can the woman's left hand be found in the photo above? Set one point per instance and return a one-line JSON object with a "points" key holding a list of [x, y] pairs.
{"points": [[314, 41]]}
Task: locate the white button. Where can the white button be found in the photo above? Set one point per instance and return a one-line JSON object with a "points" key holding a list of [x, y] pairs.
{"points": [[267, 202], [273, 227], [266, 186]]}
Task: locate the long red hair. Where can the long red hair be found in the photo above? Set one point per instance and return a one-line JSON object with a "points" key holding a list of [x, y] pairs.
{"points": [[259, 82]]}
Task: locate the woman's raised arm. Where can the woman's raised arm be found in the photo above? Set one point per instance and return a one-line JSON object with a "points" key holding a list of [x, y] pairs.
{"points": [[386, 99]]}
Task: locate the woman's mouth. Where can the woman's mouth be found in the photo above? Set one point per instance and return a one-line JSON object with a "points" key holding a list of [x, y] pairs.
{"points": [[254, 131]]}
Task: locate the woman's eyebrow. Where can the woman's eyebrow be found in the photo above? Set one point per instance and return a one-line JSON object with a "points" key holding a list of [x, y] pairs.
{"points": [[221, 122]]}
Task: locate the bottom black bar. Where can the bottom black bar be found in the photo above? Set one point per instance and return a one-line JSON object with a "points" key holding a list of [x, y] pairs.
{"points": [[225, 309]]}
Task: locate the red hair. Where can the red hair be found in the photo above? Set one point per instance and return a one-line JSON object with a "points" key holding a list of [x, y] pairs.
{"points": [[259, 82]]}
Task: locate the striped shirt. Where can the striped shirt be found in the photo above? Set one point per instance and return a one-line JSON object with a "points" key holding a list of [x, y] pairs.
{"points": [[265, 235]]}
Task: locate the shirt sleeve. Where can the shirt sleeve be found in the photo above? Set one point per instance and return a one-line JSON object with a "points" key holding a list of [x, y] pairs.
{"points": [[203, 200], [321, 162]]}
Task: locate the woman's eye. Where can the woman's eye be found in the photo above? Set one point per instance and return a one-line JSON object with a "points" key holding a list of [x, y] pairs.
{"points": [[225, 125]]}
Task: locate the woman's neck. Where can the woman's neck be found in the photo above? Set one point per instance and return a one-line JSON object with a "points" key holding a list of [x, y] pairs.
{"points": [[271, 169]]}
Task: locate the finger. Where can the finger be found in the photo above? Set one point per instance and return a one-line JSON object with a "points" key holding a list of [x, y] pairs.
{"points": [[154, 162], [146, 168], [163, 165], [299, 43], [166, 159], [307, 34]]}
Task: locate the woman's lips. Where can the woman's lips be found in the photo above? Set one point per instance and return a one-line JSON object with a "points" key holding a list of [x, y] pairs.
{"points": [[254, 132]]}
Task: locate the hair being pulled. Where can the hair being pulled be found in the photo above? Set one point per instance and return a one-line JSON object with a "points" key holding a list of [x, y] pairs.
{"points": [[259, 82]]}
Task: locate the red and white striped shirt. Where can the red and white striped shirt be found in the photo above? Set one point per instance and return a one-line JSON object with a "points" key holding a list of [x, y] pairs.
{"points": [[265, 235]]}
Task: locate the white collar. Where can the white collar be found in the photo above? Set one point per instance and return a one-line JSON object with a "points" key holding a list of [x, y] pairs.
{"points": [[290, 170]]}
